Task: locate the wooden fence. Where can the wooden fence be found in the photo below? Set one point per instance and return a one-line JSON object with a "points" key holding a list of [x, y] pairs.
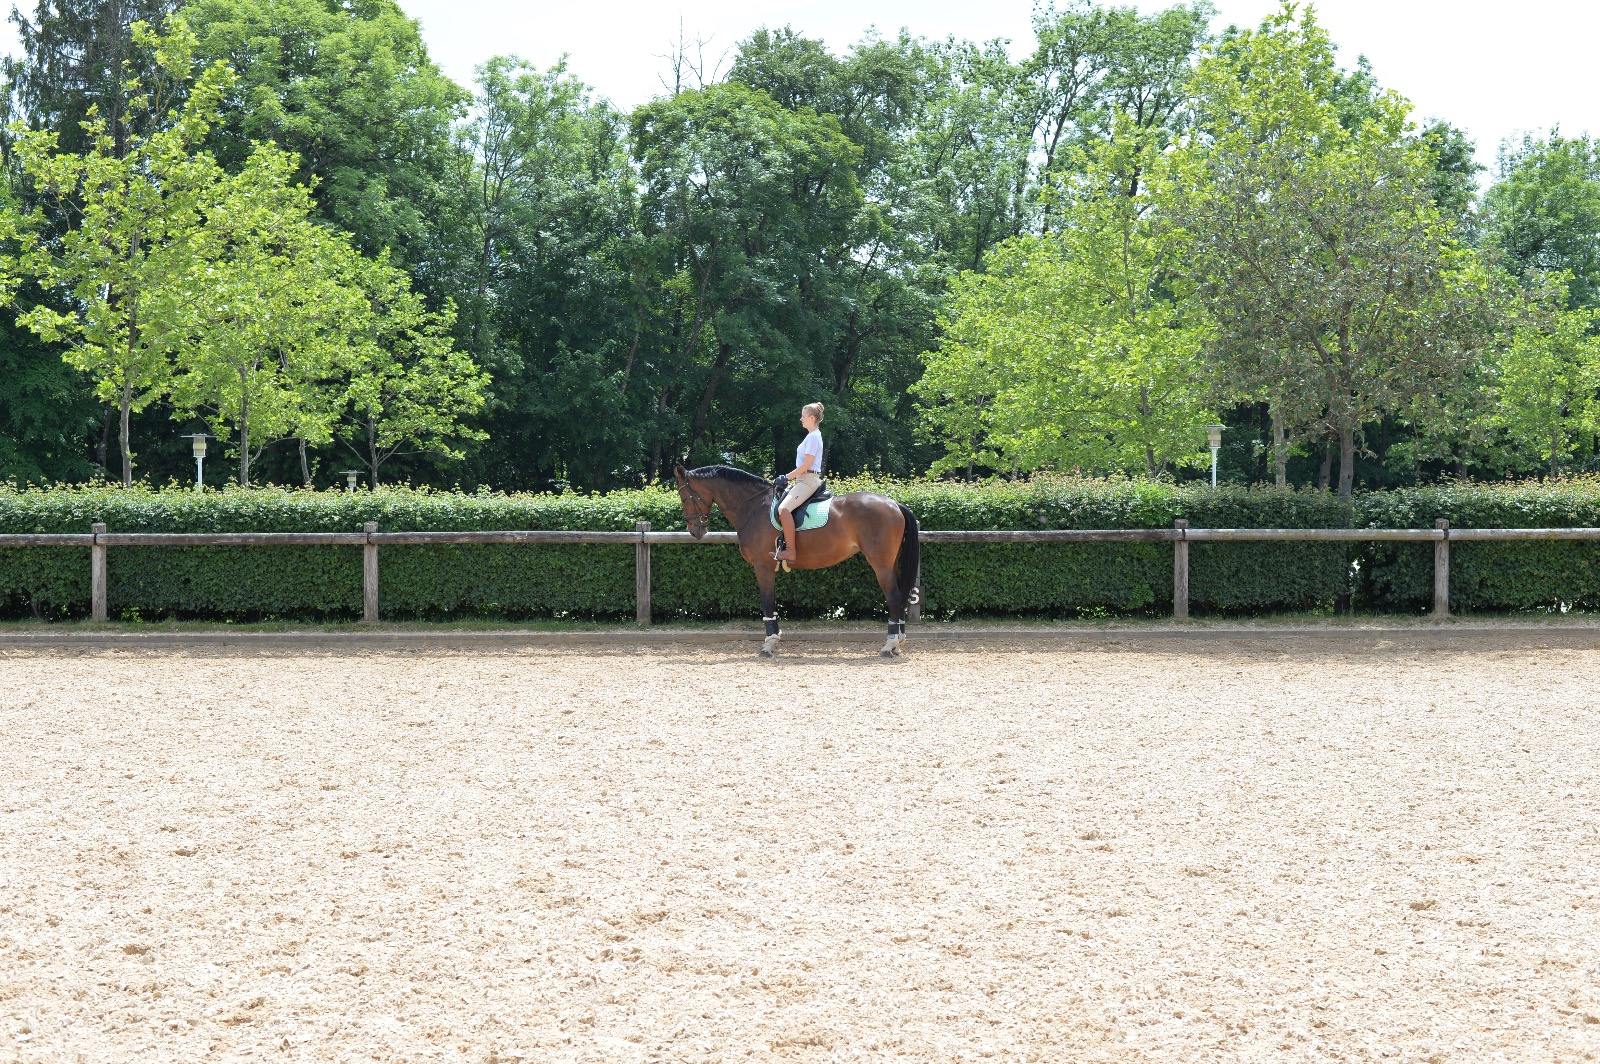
{"points": [[98, 540]]}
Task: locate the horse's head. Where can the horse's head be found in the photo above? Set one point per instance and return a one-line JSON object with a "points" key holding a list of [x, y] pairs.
{"points": [[696, 508]]}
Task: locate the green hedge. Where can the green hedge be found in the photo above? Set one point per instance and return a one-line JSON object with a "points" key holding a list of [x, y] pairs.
{"points": [[712, 582]]}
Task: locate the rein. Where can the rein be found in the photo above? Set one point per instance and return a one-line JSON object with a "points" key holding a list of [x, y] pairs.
{"points": [[704, 518]]}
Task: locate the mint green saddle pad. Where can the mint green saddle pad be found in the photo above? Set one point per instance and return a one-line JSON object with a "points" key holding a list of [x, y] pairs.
{"points": [[810, 515]]}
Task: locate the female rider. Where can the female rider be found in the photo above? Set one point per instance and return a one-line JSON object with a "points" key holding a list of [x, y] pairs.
{"points": [[804, 480]]}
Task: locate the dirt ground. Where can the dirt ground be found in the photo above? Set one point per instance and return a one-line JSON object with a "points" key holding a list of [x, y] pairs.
{"points": [[1116, 848]]}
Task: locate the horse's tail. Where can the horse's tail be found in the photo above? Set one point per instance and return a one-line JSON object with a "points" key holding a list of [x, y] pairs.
{"points": [[910, 560]]}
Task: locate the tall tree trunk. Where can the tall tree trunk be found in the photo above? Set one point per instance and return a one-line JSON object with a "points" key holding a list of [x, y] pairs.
{"points": [[1325, 468], [1555, 450], [483, 287], [244, 442], [126, 408], [102, 451], [1347, 479], [127, 384], [372, 453], [305, 466], [702, 412], [1151, 472], [633, 347], [1347, 460], [1280, 450]]}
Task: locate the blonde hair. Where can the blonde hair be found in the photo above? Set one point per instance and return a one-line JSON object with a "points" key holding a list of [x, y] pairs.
{"points": [[814, 409]]}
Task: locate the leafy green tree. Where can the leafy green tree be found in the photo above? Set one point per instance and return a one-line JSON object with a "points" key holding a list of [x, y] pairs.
{"points": [[1455, 176], [296, 335], [969, 167], [1070, 351], [741, 199], [1319, 248], [349, 88], [868, 305], [78, 56], [1473, 311], [406, 388], [1543, 211], [270, 312], [551, 301], [1094, 64], [75, 55], [1547, 378], [138, 208], [47, 409]]}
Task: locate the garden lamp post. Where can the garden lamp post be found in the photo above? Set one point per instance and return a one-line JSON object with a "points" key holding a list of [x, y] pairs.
{"points": [[199, 440], [1214, 433], [350, 478]]}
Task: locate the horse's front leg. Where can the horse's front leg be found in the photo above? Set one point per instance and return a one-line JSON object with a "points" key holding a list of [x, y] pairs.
{"points": [[767, 581]]}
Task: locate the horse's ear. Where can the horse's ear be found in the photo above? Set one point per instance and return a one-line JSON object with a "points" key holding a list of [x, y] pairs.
{"points": [[679, 472]]}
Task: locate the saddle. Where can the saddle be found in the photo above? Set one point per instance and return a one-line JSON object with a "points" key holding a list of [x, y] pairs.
{"points": [[813, 513]]}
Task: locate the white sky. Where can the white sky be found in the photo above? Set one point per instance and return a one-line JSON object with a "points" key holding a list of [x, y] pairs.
{"points": [[1495, 70], [1492, 69]]}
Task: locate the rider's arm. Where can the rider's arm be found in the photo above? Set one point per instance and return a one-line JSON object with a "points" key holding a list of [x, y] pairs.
{"points": [[806, 461]]}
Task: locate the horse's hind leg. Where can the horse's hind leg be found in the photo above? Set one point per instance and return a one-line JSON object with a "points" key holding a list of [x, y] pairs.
{"points": [[889, 581], [767, 581]]}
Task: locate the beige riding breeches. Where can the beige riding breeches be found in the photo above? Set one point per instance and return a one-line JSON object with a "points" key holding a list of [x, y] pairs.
{"points": [[801, 488]]}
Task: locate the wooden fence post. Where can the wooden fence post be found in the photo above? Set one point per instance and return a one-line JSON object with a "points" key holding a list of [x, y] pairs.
{"points": [[1180, 572], [369, 576], [97, 574], [1441, 570], [641, 575]]}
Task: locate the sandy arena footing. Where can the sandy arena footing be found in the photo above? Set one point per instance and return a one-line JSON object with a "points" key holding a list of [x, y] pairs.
{"points": [[1383, 846]]}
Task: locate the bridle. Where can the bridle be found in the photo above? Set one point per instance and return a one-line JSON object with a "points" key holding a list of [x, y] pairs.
{"points": [[703, 518]]}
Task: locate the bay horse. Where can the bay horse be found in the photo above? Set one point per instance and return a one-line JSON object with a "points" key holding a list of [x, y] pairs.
{"points": [[875, 525]]}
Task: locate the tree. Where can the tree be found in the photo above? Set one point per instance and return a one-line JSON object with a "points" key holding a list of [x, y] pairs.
{"points": [[272, 312], [348, 88], [77, 57], [1543, 211], [1071, 351], [137, 206], [1455, 176], [406, 385], [47, 409], [1094, 65], [869, 302], [741, 200], [1318, 247], [1547, 379], [541, 237], [968, 170]]}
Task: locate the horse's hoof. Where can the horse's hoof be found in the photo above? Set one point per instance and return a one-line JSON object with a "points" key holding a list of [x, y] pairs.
{"points": [[767, 653], [886, 653], [897, 651]]}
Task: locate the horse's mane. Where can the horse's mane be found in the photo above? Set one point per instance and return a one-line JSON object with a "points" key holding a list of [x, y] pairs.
{"points": [[728, 472]]}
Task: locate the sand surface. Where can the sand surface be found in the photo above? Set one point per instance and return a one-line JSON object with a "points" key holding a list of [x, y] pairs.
{"points": [[1379, 847]]}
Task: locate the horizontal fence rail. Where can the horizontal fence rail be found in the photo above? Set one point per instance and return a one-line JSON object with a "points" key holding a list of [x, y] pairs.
{"points": [[643, 538]]}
